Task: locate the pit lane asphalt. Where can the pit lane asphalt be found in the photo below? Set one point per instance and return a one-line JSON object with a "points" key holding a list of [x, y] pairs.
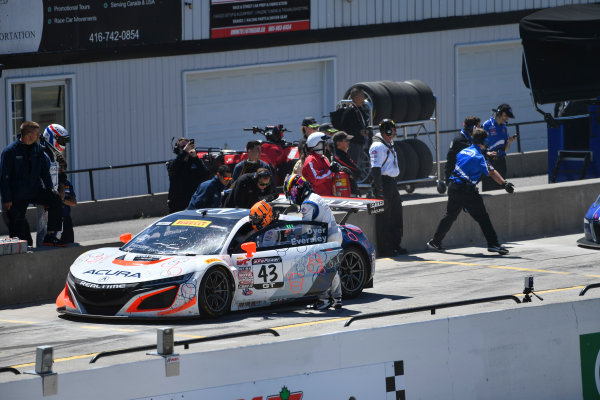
{"points": [[561, 269]]}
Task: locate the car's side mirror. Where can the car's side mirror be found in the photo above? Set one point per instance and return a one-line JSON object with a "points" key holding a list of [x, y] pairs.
{"points": [[249, 248], [125, 237]]}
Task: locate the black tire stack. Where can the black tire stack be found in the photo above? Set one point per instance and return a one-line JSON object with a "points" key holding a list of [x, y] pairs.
{"points": [[406, 101]]}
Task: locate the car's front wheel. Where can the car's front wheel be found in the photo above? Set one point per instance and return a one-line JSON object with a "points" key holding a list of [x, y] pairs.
{"points": [[216, 293], [354, 272]]}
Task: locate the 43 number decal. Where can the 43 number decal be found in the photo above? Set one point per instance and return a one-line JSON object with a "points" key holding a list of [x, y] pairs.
{"points": [[268, 273]]}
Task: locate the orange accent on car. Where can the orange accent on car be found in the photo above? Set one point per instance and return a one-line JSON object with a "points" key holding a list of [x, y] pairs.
{"points": [[125, 238], [180, 308], [64, 299], [136, 263], [134, 307]]}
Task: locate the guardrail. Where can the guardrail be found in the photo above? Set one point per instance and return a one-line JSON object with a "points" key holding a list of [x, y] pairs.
{"points": [[184, 343], [431, 308], [146, 165]]}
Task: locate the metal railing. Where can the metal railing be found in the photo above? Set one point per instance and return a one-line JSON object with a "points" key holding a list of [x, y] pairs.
{"points": [[432, 307], [146, 165], [90, 172], [184, 343]]}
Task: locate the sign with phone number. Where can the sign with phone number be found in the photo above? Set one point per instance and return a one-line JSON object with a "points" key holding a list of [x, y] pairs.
{"points": [[72, 25]]}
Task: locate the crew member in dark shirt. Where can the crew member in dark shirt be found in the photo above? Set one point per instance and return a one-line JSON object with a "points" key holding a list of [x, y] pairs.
{"points": [[341, 143], [251, 188], [186, 173]]}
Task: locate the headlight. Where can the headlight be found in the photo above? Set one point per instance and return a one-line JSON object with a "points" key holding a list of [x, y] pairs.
{"points": [[174, 280]]}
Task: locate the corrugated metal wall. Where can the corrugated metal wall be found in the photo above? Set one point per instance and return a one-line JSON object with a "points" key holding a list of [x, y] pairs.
{"points": [[128, 111], [340, 13]]}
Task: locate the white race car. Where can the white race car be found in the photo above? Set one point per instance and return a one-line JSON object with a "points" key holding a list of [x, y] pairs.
{"points": [[208, 262]]}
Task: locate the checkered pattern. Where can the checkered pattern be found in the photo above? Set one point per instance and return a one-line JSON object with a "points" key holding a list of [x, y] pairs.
{"points": [[394, 381]]}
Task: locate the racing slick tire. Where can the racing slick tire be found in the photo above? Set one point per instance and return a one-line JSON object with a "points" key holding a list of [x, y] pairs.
{"points": [[425, 157], [216, 293], [382, 104], [354, 272], [427, 99], [411, 161]]}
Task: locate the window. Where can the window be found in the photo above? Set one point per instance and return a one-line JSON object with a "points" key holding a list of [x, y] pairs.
{"points": [[291, 234], [43, 100]]}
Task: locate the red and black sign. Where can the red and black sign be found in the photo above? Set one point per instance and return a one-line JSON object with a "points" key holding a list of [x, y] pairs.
{"points": [[232, 18]]}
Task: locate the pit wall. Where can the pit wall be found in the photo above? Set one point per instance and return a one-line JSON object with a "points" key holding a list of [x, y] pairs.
{"points": [[532, 351]]}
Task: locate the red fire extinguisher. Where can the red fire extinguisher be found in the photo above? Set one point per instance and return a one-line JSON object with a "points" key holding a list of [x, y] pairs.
{"points": [[341, 185]]}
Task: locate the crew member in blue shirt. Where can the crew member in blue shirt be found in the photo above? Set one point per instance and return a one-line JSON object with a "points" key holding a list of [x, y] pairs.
{"points": [[471, 165], [209, 193], [499, 143], [460, 142]]}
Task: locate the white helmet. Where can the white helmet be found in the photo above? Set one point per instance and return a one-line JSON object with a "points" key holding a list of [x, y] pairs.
{"points": [[57, 137], [313, 140]]}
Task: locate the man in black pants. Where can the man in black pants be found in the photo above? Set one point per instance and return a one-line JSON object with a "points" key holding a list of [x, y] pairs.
{"points": [[460, 142], [384, 170], [471, 165], [23, 169]]}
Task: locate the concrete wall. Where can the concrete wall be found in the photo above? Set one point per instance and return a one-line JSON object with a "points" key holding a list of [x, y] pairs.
{"points": [[533, 351]]}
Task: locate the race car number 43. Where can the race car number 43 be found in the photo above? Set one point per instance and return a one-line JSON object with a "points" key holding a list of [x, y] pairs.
{"points": [[268, 273]]}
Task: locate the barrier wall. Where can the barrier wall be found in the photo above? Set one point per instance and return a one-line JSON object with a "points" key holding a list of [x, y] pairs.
{"points": [[533, 351]]}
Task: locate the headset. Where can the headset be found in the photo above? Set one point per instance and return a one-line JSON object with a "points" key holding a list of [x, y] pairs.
{"points": [[387, 127]]}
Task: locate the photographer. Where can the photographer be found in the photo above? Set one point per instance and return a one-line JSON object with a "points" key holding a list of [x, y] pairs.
{"points": [[471, 165], [186, 173]]}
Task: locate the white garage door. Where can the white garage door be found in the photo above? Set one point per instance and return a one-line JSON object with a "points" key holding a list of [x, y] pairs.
{"points": [[219, 104], [489, 75]]}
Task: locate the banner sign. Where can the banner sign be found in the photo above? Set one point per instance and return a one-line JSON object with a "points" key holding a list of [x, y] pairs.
{"points": [[232, 18], [72, 25]]}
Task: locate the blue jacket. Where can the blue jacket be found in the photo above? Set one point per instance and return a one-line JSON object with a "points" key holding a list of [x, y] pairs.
{"points": [[208, 195], [470, 165], [23, 169], [498, 136]]}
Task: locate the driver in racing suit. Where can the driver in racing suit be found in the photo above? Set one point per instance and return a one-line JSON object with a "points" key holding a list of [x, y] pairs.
{"points": [[313, 208]]}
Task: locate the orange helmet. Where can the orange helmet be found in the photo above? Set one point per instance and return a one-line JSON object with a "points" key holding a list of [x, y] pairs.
{"points": [[261, 215]]}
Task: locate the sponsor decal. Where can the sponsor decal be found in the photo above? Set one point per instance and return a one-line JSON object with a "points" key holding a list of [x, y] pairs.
{"points": [[267, 272], [198, 223], [145, 258], [110, 272], [242, 261], [211, 260], [247, 292], [160, 223], [284, 394], [92, 285], [589, 353], [245, 276]]}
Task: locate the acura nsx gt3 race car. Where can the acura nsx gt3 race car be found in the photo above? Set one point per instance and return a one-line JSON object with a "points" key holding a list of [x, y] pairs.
{"points": [[591, 226], [210, 262]]}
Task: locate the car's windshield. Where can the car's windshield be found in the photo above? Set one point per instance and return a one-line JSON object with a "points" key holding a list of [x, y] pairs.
{"points": [[183, 235]]}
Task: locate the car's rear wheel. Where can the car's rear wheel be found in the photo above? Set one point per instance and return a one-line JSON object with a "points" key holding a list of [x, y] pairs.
{"points": [[216, 293], [354, 272]]}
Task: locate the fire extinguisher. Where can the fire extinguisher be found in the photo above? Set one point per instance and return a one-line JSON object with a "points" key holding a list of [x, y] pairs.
{"points": [[341, 185]]}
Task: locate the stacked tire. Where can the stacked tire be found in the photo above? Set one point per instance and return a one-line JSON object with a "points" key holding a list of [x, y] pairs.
{"points": [[405, 101], [401, 101]]}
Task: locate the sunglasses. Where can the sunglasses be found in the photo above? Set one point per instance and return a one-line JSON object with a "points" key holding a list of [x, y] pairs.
{"points": [[227, 178], [263, 184]]}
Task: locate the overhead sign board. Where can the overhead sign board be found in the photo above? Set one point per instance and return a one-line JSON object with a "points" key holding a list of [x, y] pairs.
{"points": [[71, 25], [233, 18]]}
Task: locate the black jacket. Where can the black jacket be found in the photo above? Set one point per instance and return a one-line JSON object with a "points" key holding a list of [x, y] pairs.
{"points": [[23, 169], [184, 179], [344, 160], [460, 142], [353, 121], [246, 192]]}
